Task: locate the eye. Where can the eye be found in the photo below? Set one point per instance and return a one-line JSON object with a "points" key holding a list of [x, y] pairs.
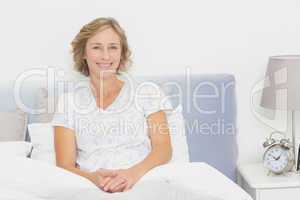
{"points": [[113, 47], [95, 47]]}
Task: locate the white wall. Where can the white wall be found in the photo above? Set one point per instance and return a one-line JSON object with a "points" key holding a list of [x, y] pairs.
{"points": [[232, 36]]}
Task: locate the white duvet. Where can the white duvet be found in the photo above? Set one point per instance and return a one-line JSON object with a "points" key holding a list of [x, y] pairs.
{"points": [[26, 179]]}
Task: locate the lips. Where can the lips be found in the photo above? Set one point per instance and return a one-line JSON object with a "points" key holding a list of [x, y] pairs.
{"points": [[104, 65]]}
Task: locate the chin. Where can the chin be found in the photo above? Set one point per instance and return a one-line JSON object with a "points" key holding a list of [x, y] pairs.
{"points": [[106, 74]]}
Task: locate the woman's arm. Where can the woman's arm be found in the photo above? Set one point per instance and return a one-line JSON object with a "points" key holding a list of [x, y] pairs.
{"points": [[65, 150], [161, 153]]}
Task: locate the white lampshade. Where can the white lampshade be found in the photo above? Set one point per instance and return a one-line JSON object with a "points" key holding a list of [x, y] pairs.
{"points": [[282, 83]]}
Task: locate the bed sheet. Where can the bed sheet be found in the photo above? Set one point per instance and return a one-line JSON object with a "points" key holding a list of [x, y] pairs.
{"points": [[23, 178], [200, 178]]}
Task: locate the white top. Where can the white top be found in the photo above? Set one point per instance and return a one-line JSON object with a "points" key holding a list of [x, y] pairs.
{"points": [[116, 137]]}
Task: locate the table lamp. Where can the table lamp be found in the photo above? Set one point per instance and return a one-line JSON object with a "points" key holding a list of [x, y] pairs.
{"points": [[282, 87]]}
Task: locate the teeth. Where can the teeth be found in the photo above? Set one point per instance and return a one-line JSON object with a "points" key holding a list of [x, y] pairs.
{"points": [[104, 65]]}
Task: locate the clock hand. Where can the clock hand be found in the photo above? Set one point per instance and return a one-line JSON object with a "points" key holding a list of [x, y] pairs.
{"points": [[274, 157], [278, 157]]}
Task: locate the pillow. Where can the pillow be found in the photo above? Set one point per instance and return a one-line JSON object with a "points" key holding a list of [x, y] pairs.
{"points": [[176, 124], [43, 101], [15, 148], [13, 125], [41, 135]]}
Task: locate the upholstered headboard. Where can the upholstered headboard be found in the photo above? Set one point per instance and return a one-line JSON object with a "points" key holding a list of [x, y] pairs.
{"points": [[209, 109]]}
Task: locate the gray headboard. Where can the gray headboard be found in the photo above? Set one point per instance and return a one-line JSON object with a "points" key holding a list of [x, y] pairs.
{"points": [[209, 109]]}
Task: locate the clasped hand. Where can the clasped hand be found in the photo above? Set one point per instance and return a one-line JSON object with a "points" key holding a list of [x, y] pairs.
{"points": [[115, 180]]}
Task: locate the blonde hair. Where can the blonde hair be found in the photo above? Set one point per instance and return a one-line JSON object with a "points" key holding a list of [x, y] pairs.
{"points": [[87, 31]]}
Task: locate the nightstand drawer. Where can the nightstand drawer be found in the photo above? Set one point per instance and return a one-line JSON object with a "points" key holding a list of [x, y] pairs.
{"points": [[279, 194]]}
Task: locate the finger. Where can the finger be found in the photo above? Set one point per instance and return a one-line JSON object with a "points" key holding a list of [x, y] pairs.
{"points": [[104, 181], [120, 187], [128, 187], [113, 182], [117, 184], [107, 186]]}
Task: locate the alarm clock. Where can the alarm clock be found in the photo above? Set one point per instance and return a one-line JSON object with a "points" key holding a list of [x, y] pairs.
{"points": [[278, 157]]}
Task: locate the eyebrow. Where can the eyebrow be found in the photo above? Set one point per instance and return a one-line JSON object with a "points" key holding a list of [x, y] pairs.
{"points": [[97, 43]]}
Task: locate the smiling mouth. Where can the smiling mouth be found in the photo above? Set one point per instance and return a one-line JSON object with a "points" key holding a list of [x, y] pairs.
{"points": [[104, 65]]}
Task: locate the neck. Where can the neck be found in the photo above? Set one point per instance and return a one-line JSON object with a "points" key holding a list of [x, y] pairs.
{"points": [[104, 86]]}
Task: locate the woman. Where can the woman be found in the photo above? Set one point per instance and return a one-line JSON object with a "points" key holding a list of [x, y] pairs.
{"points": [[112, 160]]}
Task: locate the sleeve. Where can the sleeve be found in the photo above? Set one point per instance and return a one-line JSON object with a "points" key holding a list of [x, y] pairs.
{"points": [[151, 98], [64, 112]]}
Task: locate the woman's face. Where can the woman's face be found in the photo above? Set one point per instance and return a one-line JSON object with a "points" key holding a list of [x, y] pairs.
{"points": [[103, 53]]}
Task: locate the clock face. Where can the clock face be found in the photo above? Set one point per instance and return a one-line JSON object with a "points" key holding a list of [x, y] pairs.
{"points": [[276, 158]]}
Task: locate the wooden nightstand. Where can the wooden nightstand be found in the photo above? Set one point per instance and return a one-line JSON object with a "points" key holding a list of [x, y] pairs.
{"points": [[254, 179]]}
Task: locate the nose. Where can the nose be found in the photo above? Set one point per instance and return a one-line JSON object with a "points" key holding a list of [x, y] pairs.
{"points": [[105, 54]]}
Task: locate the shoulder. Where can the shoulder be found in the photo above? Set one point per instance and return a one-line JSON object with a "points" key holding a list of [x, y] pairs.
{"points": [[148, 88], [151, 98]]}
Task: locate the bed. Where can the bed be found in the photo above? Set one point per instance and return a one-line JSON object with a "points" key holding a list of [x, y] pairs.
{"points": [[208, 106]]}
